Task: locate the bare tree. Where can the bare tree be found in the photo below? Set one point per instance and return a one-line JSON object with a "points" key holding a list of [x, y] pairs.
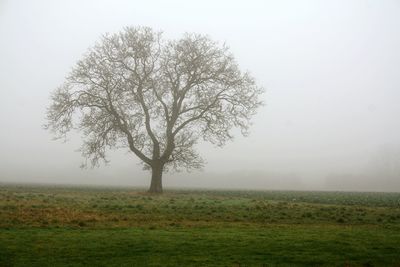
{"points": [[156, 97]]}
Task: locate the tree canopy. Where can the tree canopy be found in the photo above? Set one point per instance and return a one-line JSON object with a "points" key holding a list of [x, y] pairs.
{"points": [[157, 97]]}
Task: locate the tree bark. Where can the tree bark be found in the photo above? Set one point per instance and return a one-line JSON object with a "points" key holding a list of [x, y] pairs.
{"points": [[156, 179]]}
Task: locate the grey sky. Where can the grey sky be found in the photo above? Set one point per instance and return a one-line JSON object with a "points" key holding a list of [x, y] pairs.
{"points": [[330, 68]]}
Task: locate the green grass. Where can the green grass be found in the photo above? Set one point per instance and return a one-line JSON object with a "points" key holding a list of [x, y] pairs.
{"points": [[68, 226]]}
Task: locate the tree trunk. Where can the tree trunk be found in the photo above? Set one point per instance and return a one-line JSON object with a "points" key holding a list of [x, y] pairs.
{"points": [[156, 179]]}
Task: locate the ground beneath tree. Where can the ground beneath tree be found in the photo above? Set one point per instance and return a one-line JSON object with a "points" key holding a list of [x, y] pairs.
{"points": [[71, 226]]}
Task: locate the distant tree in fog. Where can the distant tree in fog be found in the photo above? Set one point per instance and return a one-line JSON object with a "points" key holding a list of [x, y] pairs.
{"points": [[155, 97], [387, 161]]}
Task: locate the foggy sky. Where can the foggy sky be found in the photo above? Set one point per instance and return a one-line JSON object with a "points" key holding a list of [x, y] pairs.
{"points": [[331, 70]]}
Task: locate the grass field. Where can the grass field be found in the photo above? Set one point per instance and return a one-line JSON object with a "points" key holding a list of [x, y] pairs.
{"points": [[94, 226]]}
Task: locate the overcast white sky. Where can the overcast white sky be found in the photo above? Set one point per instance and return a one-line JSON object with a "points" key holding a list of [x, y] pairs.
{"points": [[331, 70]]}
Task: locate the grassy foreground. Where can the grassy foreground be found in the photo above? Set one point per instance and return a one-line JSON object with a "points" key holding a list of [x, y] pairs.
{"points": [[61, 226]]}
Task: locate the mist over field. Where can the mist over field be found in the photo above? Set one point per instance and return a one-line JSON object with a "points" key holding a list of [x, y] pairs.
{"points": [[330, 70]]}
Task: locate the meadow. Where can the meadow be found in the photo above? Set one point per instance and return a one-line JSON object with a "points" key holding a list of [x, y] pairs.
{"points": [[107, 226]]}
